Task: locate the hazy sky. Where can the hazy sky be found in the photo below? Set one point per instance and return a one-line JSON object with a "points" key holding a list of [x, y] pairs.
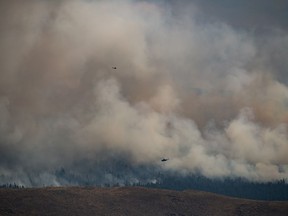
{"points": [[204, 83], [251, 14]]}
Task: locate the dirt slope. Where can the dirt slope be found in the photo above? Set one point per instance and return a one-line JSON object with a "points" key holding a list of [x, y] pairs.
{"points": [[129, 201]]}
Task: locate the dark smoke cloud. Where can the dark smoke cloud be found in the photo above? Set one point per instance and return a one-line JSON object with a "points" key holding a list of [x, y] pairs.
{"points": [[208, 94]]}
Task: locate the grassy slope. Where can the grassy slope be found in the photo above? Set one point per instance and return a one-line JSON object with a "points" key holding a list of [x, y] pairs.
{"points": [[128, 201]]}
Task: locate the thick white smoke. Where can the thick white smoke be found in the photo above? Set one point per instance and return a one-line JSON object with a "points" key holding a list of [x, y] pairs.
{"points": [[204, 94]]}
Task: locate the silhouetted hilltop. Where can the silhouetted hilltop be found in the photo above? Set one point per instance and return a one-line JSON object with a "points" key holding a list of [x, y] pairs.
{"points": [[129, 201]]}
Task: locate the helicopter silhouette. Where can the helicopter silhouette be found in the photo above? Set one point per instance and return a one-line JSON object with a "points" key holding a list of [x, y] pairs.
{"points": [[165, 159]]}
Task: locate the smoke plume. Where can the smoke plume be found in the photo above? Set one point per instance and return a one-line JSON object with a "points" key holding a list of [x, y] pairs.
{"points": [[210, 95]]}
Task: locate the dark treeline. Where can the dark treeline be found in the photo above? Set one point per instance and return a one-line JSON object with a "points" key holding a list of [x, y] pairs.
{"points": [[14, 185], [119, 173], [237, 187], [231, 187], [121, 176]]}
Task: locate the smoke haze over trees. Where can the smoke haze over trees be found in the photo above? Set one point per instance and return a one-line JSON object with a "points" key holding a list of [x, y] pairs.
{"points": [[208, 92]]}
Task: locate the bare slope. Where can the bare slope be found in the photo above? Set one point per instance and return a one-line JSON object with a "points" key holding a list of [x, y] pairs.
{"points": [[129, 201]]}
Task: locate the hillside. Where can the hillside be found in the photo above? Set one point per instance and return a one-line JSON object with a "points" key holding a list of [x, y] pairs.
{"points": [[129, 201]]}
